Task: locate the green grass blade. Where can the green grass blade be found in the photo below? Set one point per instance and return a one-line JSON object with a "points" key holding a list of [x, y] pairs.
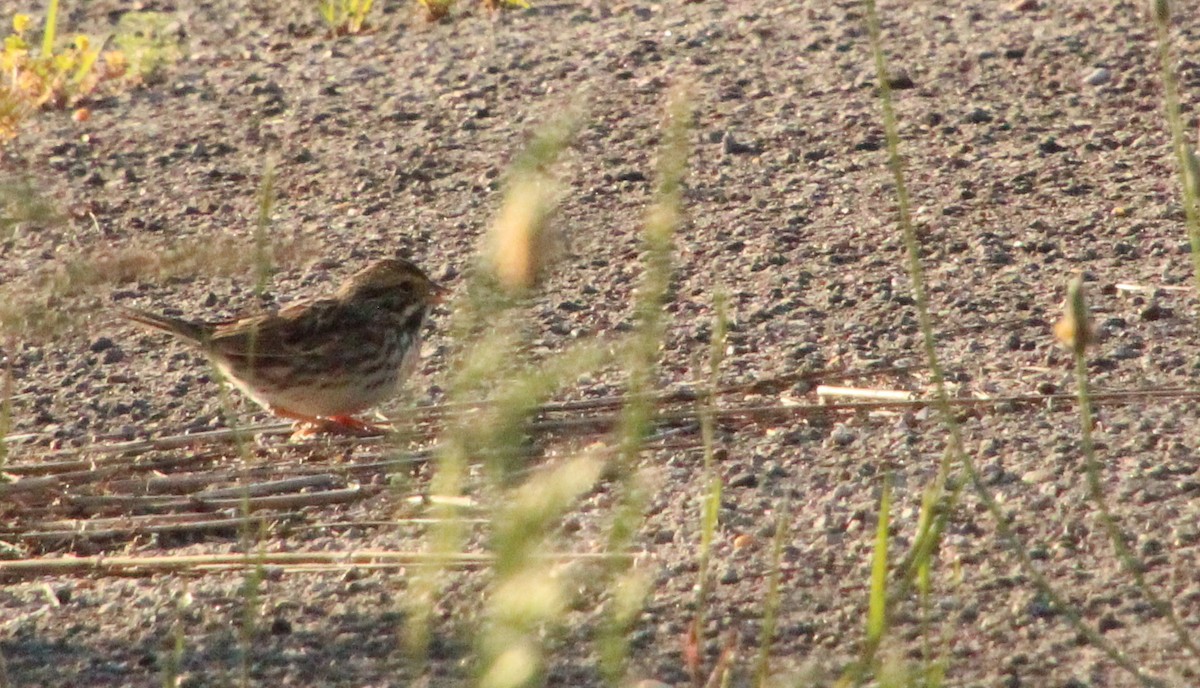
{"points": [[877, 610], [6, 397], [1161, 16], [48, 34], [1077, 314], [641, 366], [916, 272], [771, 604], [262, 237]]}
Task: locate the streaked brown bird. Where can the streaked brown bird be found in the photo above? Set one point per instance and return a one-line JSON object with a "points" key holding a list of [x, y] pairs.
{"points": [[322, 361]]}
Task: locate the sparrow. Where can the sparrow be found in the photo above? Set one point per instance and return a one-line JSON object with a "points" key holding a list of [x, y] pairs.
{"points": [[319, 362]]}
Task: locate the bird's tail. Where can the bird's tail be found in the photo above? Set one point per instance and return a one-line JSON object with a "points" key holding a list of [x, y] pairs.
{"points": [[184, 329]]}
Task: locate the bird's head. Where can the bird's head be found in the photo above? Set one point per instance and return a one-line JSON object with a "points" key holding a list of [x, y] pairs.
{"points": [[393, 281]]}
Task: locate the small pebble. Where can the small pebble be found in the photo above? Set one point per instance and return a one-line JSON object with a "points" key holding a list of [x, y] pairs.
{"points": [[1098, 77], [743, 480], [732, 146], [1154, 312], [1124, 353], [1109, 622], [979, 116], [842, 436]]}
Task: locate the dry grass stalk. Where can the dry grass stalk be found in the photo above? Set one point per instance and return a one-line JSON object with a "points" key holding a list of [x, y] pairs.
{"points": [[864, 393], [237, 562]]}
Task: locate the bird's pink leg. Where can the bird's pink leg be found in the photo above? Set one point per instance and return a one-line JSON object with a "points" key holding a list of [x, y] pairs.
{"points": [[343, 425], [357, 427]]}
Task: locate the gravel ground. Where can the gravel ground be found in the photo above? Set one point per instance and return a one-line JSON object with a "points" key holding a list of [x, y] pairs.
{"points": [[1036, 150]]}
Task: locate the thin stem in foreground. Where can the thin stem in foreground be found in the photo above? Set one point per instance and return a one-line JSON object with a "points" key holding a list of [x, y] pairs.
{"points": [[917, 276]]}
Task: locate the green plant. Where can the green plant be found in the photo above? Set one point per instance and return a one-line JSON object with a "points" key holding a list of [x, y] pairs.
{"points": [[497, 5], [762, 668], [55, 78], [641, 365], [252, 529], [1075, 331], [510, 646], [14, 109], [490, 367], [21, 204], [710, 503], [148, 42], [1189, 174], [262, 236], [6, 397], [436, 10], [50, 77], [955, 444], [345, 16], [172, 662]]}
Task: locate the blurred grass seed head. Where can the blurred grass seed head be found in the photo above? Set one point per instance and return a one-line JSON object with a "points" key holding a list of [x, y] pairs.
{"points": [[521, 244]]}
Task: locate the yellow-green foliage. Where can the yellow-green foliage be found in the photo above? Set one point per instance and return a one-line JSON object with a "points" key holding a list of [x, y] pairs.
{"points": [[51, 77], [345, 16], [494, 5], [21, 204], [55, 77], [149, 41], [436, 10], [13, 110]]}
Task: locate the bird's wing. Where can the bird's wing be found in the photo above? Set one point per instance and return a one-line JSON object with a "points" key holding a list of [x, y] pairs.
{"points": [[312, 329]]}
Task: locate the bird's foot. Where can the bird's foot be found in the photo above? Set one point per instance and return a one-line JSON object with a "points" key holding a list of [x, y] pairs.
{"points": [[354, 426], [305, 427], [337, 425]]}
